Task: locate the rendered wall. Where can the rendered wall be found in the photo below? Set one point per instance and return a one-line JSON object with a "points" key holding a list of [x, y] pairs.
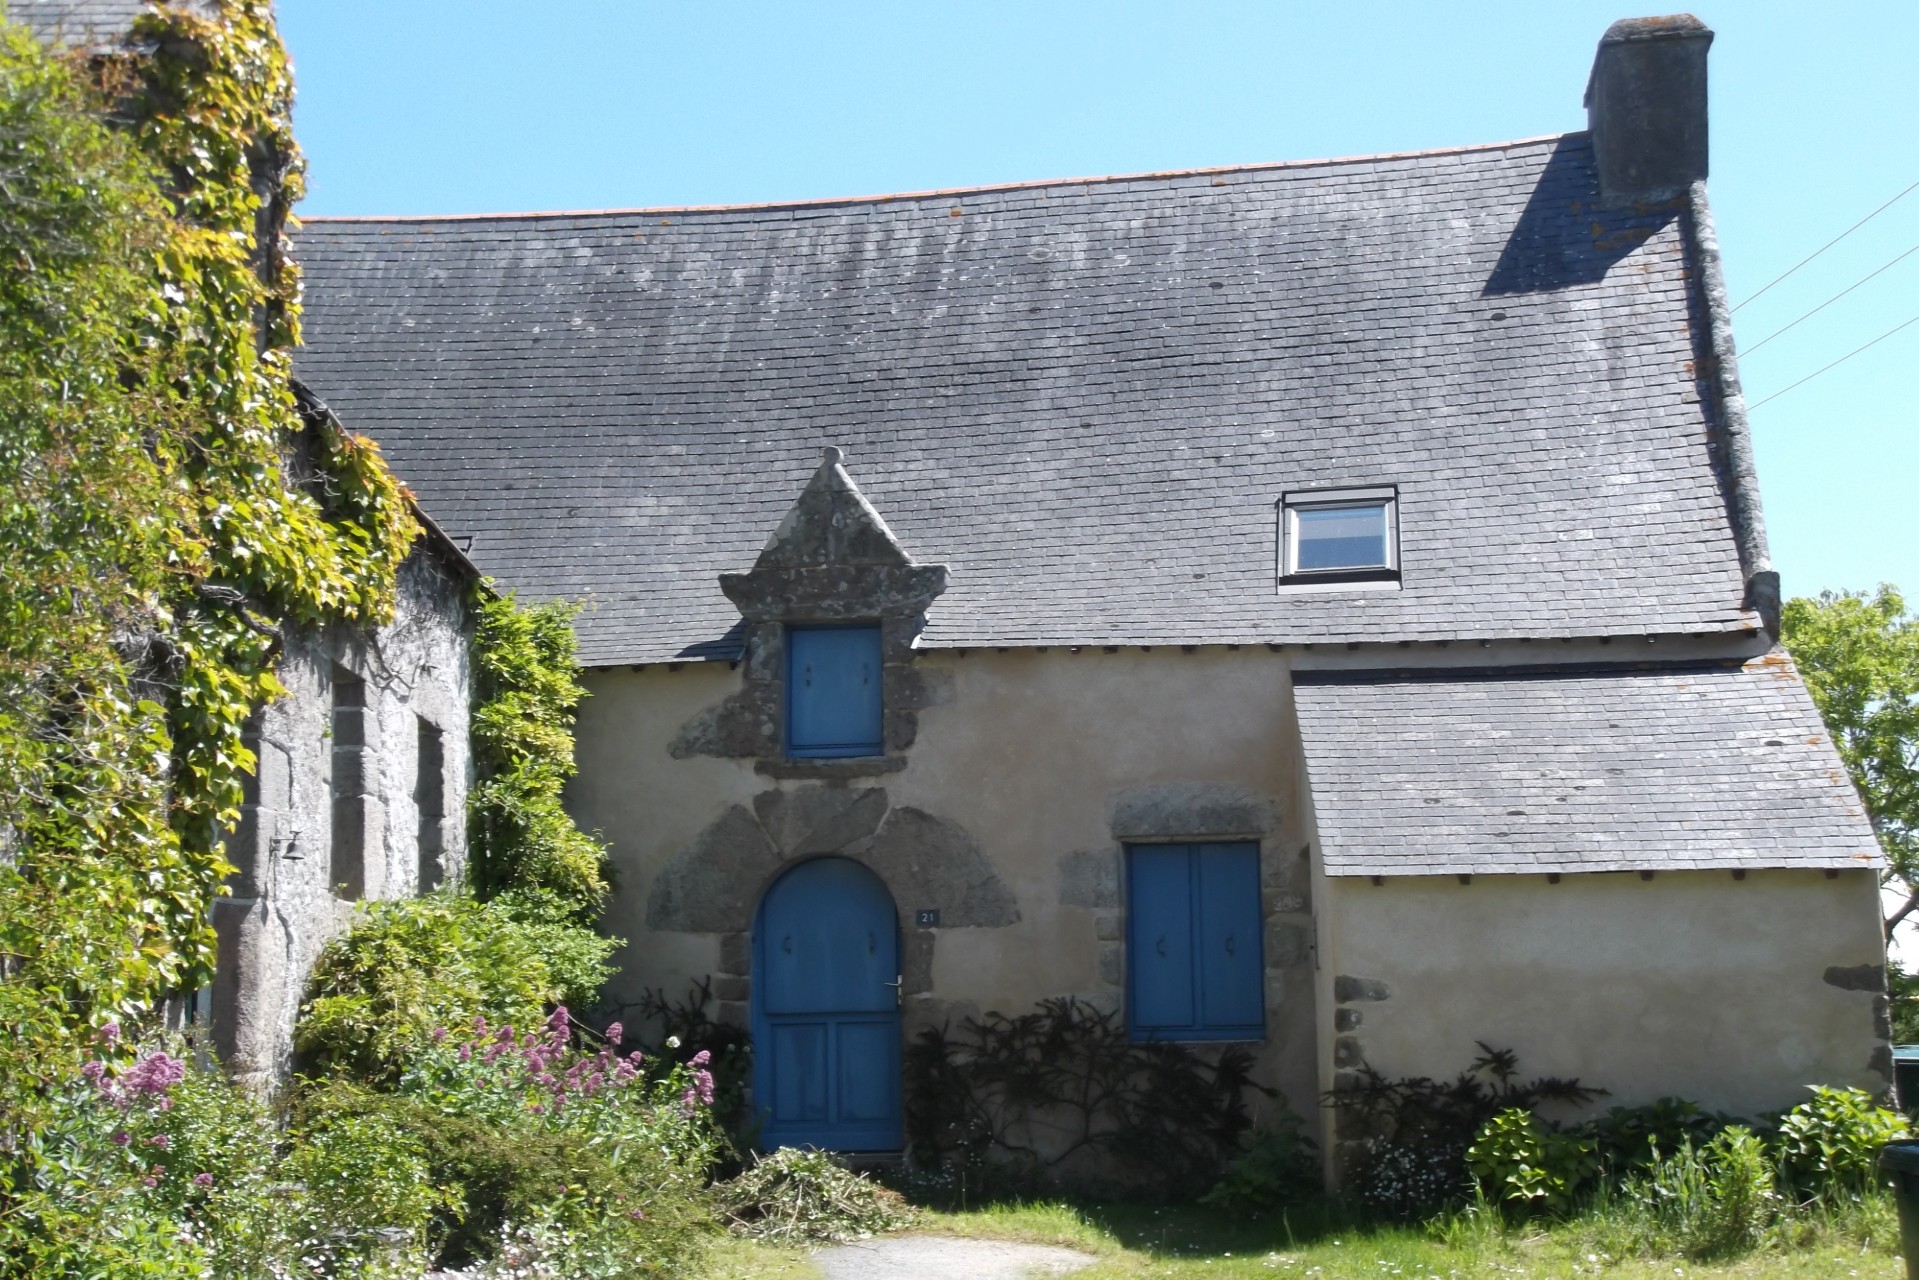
{"points": [[1027, 772], [284, 907], [1734, 993]]}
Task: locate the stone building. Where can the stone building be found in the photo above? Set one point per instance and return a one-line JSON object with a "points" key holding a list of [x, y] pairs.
{"points": [[359, 794], [1319, 606], [364, 766]]}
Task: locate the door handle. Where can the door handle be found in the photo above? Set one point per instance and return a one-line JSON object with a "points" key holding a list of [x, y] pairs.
{"points": [[899, 995]]}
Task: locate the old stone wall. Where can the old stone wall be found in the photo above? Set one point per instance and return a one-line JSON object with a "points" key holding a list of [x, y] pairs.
{"points": [[1734, 993], [1007, 815], [341, 808]]}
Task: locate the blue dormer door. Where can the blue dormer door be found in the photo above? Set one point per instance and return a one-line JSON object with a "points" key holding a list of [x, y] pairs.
{"points": [[826, 1015], [833, 704]]}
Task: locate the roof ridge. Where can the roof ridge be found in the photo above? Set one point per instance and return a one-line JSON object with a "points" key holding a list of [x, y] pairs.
{"points": [[943, 192]]}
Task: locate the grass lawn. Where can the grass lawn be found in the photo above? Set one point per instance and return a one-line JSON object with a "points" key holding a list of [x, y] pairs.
{"points": [[1190, 1242]]}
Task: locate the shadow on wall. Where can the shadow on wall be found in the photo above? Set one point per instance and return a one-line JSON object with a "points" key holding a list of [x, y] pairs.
{"points": [[1565, 236]]}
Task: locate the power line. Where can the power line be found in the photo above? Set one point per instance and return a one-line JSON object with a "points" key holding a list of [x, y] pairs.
{"points": [[1835, 240], [1836, 363], [1829, 301]]}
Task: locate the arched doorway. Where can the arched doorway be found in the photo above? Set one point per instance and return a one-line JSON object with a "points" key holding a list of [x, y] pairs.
{"points": [[826, 1014]]}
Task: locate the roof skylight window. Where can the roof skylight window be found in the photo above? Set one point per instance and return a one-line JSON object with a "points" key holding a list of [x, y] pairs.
{"points": [[1340, 535]]}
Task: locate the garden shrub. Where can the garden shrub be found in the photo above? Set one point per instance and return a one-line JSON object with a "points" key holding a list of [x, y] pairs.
{"points": [[1828, 1146], [527, 1129], [1278, 1168], [800, 1196], [410, 965], [1634, 1138], [687, 1030], [1520, 1161], [1415, 1131], [1168, 1117]]}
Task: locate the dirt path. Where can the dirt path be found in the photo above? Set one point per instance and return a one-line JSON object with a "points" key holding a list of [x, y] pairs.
{"points": [[946, 1258]]}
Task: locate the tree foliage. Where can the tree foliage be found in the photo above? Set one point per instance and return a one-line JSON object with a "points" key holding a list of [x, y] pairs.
{"points": [[1859, 655]]}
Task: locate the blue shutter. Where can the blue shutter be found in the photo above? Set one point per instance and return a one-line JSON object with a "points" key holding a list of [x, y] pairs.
{"points": [[1230, 978], [1194, 956], [1160, 940], [833, 691]]}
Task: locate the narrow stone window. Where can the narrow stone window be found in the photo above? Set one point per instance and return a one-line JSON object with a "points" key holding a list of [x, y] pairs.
{"points": [[346, 784], [429, 793]]}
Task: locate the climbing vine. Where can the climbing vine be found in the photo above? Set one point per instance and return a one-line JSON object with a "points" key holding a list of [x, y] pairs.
{"points": [[171, 511]]}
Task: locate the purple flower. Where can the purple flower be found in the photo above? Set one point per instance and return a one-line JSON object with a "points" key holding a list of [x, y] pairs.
{"points": [[93, 1071], [154, 1074], [149, 1183], [121, 1138], [614, 1033], [439, 1035], [479, 1024], [560, 1023], [635, 1057], [703, 1085], [466, 1053], [159, 1140], [203, 1180], [700, 1059], [109, 1033]]}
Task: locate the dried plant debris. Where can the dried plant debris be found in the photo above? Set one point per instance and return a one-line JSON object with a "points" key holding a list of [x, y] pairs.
{"points": [[798, 1195]]}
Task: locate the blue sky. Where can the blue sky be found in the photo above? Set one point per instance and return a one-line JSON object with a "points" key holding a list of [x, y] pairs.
{"points": [[431, 106]]}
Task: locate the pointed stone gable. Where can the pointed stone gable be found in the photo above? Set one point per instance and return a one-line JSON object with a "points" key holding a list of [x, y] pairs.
{"points": [[833, 559], [831, 523]]}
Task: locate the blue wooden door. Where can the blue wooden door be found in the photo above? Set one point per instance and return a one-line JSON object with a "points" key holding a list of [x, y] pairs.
{"points": [[826, 1017]]}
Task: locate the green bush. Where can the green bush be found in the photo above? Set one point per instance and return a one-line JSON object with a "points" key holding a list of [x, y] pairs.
{"points": [[1633, 1139], [1520, 1161], [1828, 1146], [1279, 1168], [522, 1130], [412, 965]]}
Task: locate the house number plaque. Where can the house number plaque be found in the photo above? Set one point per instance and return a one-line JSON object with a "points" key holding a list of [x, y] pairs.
{"points": [[927, 919]]}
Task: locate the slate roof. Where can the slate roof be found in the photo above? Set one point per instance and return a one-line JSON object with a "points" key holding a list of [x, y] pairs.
{"points": [[85, 23], [1084, 397], [1624, 770]]}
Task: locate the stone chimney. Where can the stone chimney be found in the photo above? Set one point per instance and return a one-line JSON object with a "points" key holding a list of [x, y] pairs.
{"points": [[1646, 107]]}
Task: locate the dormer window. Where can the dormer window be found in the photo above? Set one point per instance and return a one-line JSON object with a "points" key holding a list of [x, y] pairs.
{"points": [[1340, 535], [833, 703]]}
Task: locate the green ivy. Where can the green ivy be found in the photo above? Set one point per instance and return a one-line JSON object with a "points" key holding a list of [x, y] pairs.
{"points": [[523, 844], [169, 510]]}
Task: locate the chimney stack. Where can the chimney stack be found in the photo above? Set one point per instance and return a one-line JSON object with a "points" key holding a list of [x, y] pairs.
{"points": [[1646, 107]]}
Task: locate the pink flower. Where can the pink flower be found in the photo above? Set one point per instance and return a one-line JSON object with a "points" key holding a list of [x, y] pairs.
{"points": [[203, 1180], [154, 1074], [439, 1035], [466, 1053], [615, 1033], [479, 1024], [700, 1059], [109, 1032], [93, 1071], [159, 1171], [121, 1138], [703, 1085], [505, 1034], [149, 1183], [636, 1057], [159, 1140], [560, 1023]]}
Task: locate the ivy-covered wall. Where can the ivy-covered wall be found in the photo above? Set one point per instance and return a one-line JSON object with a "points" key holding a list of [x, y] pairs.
{"points": [[172, 516]]}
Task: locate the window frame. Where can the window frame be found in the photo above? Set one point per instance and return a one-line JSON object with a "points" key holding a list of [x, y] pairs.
{"points": [[1291, 504], [1200, 1030], [861, 751]]}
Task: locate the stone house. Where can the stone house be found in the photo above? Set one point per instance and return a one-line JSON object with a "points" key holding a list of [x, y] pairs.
{"points": [[1319, 606], [359, 794]]}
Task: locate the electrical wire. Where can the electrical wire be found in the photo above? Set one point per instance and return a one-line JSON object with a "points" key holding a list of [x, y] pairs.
{"points": [[1829, 301], [1835, 240], [1836, 363]]}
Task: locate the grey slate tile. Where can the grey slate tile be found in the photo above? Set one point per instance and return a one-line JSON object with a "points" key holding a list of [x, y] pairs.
{"points": [[619, 407], [1622, 770]]}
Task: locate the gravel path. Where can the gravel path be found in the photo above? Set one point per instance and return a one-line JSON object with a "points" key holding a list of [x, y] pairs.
{"points": [[946, 1258]]}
